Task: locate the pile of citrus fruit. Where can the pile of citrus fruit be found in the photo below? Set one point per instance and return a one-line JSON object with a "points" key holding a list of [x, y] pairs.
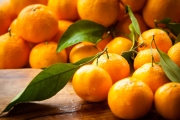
{"points": [[31, 29]]}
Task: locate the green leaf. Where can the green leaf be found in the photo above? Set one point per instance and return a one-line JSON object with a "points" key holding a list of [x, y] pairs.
{"points": [[134, 21], [174, 28], [82, 30], [177, 39], [46, 84], [170, 68], [50, 81]]}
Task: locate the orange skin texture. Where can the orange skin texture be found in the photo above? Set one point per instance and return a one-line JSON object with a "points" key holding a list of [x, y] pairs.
{"points": [[64, 9], [119, 45], [104, 12], [5, 17], [167, 99], [44, 54], [145, 56], [83, 50], [126, 95], [174, 53], [41, 24], [91, 83], [115, 65], [163, 41], [153, 76], [159, 10], [14, 51]]}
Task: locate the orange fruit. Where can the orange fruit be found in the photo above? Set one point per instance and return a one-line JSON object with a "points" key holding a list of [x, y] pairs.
{"points": [[161, 38], [130, 99], [62, 27], [64, 9], [105, 40], [91, 83], [115, 65], [119, 45], [160, 9], [174, 53], [167, 99], [83, 50], [44, 54], [152, 75], [14, 51], [18, 5], [5, 17], [122, 11], [13, 26], [135, 7], [145, 56], [41, 24], [122, 26], [105, 12]]}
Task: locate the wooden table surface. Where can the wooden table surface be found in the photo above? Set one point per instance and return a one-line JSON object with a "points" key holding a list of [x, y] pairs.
{"points": [[65, 105]]}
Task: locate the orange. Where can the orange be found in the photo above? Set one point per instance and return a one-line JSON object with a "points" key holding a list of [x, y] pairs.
{"points": [[122, 11], [167, 99], [130, 99], [161, 38], [44, 54], [119, 45], [122, 26], [13, 26], [152, 75], [64, 9], [105, 12], [5, 17], [160, 9], [174, 53], [115, 65], [18, 5], [41, 24], [14, 51], [145, 56], [91, 83], [62, 27], [83, 50], [105, 40], [134, 5]]}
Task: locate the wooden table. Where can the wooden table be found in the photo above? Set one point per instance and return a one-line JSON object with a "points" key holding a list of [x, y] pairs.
{"points": [[65, 105]]}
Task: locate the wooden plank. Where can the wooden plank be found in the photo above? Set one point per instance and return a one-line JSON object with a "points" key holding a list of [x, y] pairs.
{"points": [[65, 105]]}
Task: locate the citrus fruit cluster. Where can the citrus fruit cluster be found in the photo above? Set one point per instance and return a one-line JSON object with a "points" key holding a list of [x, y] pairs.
{"points": [[31, 29]]}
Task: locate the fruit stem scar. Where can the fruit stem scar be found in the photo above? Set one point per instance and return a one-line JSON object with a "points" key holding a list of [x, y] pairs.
{"points": [[9, 31], [151, 50]]}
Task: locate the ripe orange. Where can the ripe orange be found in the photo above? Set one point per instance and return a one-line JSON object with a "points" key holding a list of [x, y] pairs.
{"points": [[5, 17], [83, 50], [160, 9], [115, 65], [62, 27], [153, 76], [134, 5], [14, 51], [41, 24], [91, 83], [119, 45], [145, 56], [167, 99], [105, 12], [106, 39], [123, 24], [122, 11], [174, 53], [161, 38], [64, 9], [44, 54], [130, 99], [13, 26], [18, 5]]}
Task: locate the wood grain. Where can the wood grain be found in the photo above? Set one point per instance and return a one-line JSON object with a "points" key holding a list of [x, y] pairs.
{"points": [[65, 105]]}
